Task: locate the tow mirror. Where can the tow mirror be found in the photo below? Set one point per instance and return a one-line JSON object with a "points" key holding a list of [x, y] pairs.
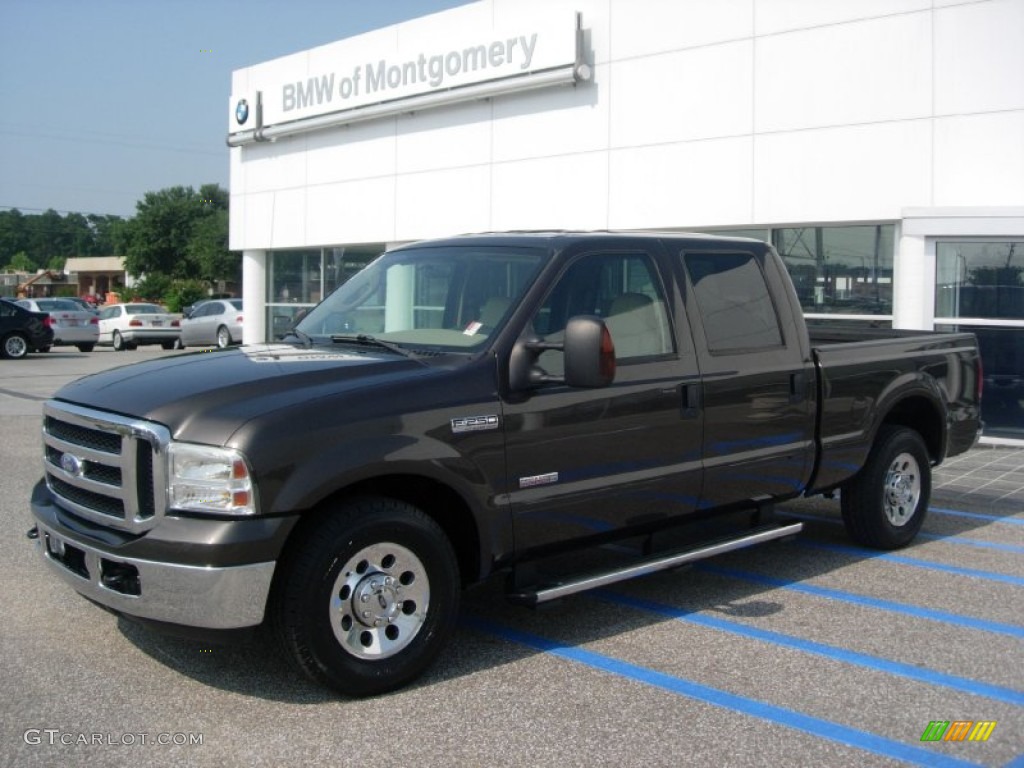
{"points": [[589, 357]]}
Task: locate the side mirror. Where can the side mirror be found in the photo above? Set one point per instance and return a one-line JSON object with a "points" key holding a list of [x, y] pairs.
{"points": [[589, 357]]}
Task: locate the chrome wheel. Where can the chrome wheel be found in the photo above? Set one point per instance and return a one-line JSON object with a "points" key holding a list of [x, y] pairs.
{"points": [[902, 489], [15, 346], [379, 601], [223, 337]]}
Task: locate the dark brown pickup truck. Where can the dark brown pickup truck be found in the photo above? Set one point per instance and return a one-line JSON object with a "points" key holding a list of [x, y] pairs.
{"points": [[537, 404]]}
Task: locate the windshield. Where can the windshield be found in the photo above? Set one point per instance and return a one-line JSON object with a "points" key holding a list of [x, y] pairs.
{"points": [[448, 299]]}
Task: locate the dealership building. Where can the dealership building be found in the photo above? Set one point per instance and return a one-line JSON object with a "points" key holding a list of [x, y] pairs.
{"points": [[878, 144]]}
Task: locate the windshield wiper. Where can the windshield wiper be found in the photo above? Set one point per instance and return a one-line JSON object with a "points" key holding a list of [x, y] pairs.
{"points": [[305, 338], [372, 341]]}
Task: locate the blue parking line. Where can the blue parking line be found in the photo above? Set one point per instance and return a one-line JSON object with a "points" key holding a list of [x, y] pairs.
{"points": [[873, 554], [789, 718], [1017, 762], [962, 541], [931, 614], [978, 516], [931, 677]]}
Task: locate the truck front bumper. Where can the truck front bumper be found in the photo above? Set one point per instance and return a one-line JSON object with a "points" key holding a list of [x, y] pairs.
{"points": [[223, 596]]}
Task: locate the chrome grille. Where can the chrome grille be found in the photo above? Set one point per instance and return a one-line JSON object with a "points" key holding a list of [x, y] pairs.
{"points": [[106, 468]]}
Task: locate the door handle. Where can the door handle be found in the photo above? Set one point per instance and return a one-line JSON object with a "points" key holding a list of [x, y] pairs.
{"points": [[797, 386], [691, 400]]}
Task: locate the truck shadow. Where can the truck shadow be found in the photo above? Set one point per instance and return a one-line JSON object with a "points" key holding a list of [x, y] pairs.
{"points": [[255, 668]]}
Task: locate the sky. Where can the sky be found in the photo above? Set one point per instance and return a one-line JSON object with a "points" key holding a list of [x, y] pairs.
{"points": [[102, 101]]}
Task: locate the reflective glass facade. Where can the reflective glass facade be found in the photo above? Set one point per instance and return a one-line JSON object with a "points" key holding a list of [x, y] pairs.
{"points": [[979, 288], [299, 279]]}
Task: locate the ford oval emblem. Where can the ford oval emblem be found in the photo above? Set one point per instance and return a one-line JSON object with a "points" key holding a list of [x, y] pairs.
{"points": [[242, 111], [72, 464]]}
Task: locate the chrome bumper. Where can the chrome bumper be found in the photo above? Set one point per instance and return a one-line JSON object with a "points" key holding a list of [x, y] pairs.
{"points": [[215, 598]]}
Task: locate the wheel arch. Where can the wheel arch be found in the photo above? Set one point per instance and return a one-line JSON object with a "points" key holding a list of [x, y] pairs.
{"points": [[923, 415], [436, 499]]}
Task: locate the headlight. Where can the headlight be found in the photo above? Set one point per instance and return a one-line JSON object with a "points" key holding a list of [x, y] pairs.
{"points": [[202, 478]]}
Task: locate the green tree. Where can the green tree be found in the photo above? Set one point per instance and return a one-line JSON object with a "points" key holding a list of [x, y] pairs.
{"points": [[20, 262], [13, 234], [156, 239], [208, 249]]}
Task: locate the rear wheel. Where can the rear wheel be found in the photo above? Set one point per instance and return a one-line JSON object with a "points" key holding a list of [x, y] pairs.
{"points": [[85, 347], [14, 347], [118, 342], [223, 337], [167, 344], [885, 505], [367, 599]]}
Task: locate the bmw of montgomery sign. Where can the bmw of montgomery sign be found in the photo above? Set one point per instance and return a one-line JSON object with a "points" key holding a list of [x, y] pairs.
{"points": [[303, 91]]}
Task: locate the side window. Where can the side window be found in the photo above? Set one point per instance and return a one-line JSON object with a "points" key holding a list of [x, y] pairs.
{"points": [[108, 313], [7, 310], [624, 290], [735, 306]]}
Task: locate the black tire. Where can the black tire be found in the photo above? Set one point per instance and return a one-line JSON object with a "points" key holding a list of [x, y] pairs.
{"points": [[14, 346], [223, 337], [167, 344], [131, 346], [367, 598], [118, 341], [85, 347], [885, 504], [43, 349]]}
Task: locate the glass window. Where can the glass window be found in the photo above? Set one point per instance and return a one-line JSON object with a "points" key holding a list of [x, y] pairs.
{"points": [[294, 277], [444, 298], [1002, 397], [340, 264], [983, 280], [735, 306], [840, 270], [625, 290]]}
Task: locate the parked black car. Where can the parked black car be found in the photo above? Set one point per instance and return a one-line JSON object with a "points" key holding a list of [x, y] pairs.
{"points": [[23, 331]]}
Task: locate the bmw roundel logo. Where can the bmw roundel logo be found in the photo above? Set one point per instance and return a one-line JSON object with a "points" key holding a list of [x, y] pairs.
{"points": [[242, 111], [71, 464]]}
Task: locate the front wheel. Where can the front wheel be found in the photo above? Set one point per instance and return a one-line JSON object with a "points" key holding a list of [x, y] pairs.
{"points": [[368, 597], [885, 504], [15, 347]]}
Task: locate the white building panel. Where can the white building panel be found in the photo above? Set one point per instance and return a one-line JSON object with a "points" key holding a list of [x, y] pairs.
{"points": [[700, 183], [351, 212], [859, 173], [979, 57], [556, 121], [774, 16], [864, 72], [666, 98], [443, 203], [359, 151], [444, 138], [289, 219], [275, 166], [647, 27], [979, 159], [564, 192]]}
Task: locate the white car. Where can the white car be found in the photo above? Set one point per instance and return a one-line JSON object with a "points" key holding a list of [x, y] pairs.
{"points": [[126, 326], [216, 321], [71, 324]]}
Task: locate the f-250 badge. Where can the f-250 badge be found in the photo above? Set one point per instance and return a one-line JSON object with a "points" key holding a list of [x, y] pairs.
{"points": [[474, 424]]}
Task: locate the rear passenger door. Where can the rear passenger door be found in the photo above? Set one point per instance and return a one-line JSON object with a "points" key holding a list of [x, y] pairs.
{"points": [[586, 462], [757, 375]]}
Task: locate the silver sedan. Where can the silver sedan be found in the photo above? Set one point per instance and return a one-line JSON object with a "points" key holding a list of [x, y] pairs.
{"points": [[71, 324], [214, 322]]}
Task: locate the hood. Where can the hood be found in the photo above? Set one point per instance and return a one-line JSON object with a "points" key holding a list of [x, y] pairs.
{"points": [[206, 396]]}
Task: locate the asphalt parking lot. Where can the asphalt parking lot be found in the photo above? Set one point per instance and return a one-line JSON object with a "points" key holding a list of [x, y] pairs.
{"points": [[804, 652]]}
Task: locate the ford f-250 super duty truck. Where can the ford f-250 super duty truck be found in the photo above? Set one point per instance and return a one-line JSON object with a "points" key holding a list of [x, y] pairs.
{"points": [[537, 404]]}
